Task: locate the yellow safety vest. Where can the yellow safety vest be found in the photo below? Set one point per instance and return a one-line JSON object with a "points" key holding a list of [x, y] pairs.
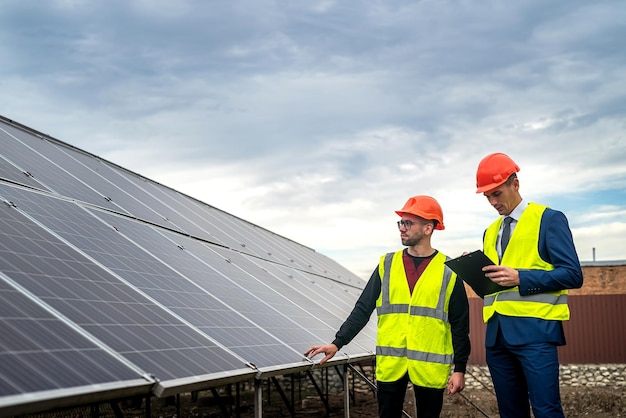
{"points": [[413, 330], [522, 253]]}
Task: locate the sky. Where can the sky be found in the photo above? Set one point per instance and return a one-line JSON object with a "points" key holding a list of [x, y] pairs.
{"points": [[318, 119]]}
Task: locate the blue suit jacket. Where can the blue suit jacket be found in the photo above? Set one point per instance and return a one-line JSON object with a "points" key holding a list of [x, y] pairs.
{"points": [[556, 247]]}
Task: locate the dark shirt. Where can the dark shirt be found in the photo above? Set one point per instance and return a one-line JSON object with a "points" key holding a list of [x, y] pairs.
{"points": [[458, 316]]}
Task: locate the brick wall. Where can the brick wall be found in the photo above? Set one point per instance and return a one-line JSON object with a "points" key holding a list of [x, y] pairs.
{"points": [[603, 280]]}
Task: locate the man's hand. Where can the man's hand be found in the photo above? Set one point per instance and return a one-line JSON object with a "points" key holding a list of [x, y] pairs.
{"points": [[456, 383], [329, 349], [502, 275]]}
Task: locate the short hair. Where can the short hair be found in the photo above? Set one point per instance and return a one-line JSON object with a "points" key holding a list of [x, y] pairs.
{"points": [[425, 221], [512, 177]]}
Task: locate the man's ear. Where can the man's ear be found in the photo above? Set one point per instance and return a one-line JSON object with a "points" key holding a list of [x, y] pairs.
{"points": [[516, 184]]}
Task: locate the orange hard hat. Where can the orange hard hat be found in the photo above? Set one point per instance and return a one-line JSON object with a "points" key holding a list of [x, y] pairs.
{"points": [[493, 170], [425, 207]]}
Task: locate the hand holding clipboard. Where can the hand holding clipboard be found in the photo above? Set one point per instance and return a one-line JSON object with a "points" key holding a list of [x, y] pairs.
{"points": [[469, 267]]}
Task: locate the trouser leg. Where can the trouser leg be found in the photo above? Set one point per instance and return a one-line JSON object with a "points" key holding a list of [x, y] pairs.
{"points": [[509, 382], [428, 402], [541, 367], [391, 397]]}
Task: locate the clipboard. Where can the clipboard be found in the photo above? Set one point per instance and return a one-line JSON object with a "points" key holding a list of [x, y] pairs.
{"points": [[469, 268]]}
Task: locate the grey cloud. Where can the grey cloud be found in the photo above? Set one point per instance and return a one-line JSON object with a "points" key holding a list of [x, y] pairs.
{"points": [[324, 101]]}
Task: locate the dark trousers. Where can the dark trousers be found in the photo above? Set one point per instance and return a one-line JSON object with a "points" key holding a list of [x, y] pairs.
{"points": [[523, 372], [390, 396]]}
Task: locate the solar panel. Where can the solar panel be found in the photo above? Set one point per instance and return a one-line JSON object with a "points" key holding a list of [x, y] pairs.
{"points": [[11, 173], [97, 182], [206, 295], [47, 172], [41, 355], [147, 282], [221, 225], [256, 241], [336, 300], [101, 303], [245, 237], [32, 336]]}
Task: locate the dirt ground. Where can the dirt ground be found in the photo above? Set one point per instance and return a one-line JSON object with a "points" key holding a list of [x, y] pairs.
{"points": [[577, 402], [589, 402]]}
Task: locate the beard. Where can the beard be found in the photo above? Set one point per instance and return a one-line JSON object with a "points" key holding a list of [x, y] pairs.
{"points": [[411, 241]]}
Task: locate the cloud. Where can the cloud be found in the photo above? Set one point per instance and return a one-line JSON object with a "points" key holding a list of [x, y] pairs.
{"points": [[318, 119]]}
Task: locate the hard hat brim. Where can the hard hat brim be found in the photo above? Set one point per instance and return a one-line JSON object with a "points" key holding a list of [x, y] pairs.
{"points": [[440, 226], [489, 187]]}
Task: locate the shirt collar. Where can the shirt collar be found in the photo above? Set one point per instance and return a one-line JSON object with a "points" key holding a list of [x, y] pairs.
{"points": [[517, 212]]}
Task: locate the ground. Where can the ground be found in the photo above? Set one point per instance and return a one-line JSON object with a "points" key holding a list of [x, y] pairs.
{"points": [[589, 402], [577, 402]]}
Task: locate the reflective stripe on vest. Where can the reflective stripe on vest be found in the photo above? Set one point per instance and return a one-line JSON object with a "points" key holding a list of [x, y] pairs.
{"points": [[415, 355], [437, 313], [550, 298], [386, 307]]}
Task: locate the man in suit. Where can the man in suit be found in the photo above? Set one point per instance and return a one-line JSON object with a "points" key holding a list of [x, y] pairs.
{"points": [[533, 251]]}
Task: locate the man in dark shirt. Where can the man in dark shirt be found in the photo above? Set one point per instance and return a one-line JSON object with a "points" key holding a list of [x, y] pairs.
{"points": [[423, 318]]}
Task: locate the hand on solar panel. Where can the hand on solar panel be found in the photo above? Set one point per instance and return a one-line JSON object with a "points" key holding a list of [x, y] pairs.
{"points": [[329, 349]]}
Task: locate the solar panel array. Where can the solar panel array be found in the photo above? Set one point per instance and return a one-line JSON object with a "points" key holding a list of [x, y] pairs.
{"points": [[115, 285]]}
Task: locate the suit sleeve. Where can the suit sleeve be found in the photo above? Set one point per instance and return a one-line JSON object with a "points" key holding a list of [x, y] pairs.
{"points": [[361, 312], [556, 246]]}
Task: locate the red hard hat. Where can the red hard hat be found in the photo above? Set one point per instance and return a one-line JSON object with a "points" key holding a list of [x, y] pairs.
{"points": [[493, 170], [425, 207]]}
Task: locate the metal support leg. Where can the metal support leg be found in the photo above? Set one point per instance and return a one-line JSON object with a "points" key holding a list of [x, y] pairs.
{"points": [[346, 393], [220, 403], [319, 392], [258, 399], [148, 406], [283, 396]]}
